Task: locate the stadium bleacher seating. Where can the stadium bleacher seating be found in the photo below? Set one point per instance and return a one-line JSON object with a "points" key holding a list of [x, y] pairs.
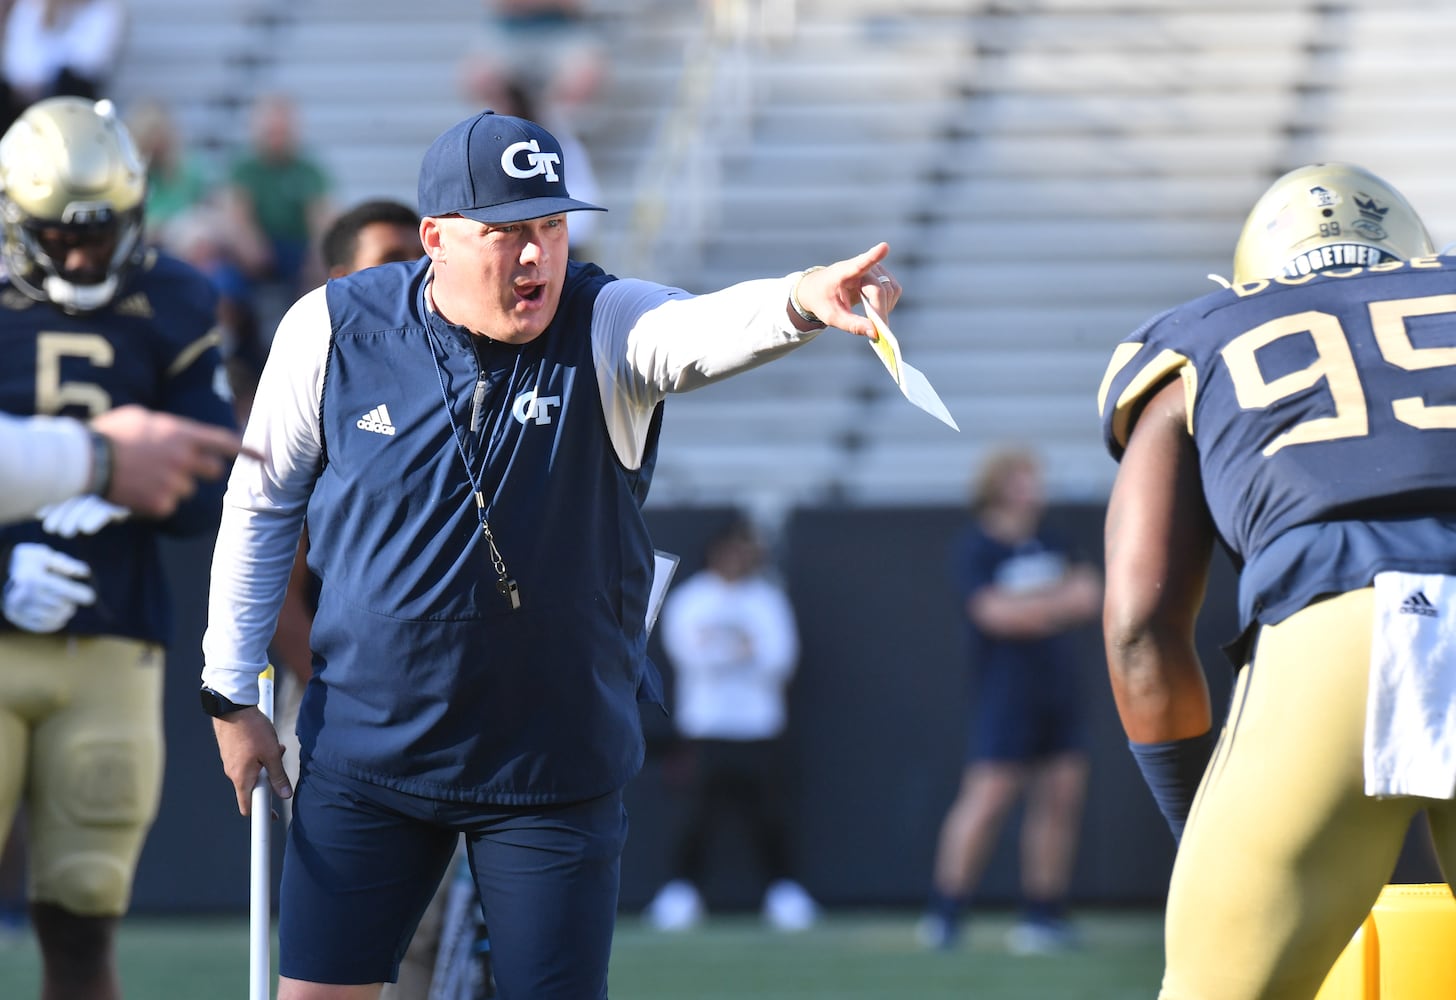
{"points": [[1048, 174]]}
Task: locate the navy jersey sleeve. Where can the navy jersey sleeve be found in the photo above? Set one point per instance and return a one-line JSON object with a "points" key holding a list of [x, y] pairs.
{"points": [[1140, 365]]}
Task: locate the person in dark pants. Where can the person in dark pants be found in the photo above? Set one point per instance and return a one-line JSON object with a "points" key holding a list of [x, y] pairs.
{"points": [[729, 631], [1022, 593], [470, 438]]}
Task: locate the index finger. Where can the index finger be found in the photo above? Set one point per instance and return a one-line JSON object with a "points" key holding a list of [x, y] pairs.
{"points": [[870, 257], [218, 440]]}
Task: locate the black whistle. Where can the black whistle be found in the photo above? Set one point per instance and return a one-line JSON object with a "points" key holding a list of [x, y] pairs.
{"points": [[510, 592]]}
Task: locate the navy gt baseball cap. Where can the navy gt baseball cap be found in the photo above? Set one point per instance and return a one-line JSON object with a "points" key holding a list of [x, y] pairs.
{"points": [[496, 168]]}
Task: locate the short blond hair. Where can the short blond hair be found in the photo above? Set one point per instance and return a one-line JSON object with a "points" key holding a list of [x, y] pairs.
{"points": [[989, 483]]}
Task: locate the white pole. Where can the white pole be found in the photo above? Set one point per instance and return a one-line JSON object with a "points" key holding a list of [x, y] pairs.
{"points": [[260, 896]]}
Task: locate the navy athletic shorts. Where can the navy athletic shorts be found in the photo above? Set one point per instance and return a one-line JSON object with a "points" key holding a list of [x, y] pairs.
{"points": [[1026, 715], [363, 861]]}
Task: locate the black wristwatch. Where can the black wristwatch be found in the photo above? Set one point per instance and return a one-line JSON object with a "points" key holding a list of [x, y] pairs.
{"points": [[217, 705]]}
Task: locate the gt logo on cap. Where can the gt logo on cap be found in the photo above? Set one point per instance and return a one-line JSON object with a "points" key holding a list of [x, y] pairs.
{"points": [[541, 163]]}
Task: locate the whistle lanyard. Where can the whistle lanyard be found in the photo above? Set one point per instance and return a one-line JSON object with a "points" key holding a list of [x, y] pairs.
{"points": [[505, 584]]}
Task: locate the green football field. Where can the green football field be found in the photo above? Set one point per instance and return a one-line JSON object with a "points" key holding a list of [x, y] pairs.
{"points": [[859, 956]]}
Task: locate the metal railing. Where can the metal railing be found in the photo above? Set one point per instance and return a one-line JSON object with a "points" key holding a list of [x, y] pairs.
{"points": [[676, 190]]}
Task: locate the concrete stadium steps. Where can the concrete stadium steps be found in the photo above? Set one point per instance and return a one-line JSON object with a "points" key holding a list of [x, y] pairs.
{"points": [[1190, 26], [1091, 158], [1110, 116], [1136, 72], [926, 471], [1074, 239], [1153, 194], [1032, 332], [1048, 176], [374, 86], [1375, 103], [1073, 283], [1051, 414], [1049, 173]]}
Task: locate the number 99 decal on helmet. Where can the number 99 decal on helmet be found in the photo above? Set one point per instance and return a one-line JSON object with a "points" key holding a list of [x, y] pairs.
{"points": [[1327, 215]]}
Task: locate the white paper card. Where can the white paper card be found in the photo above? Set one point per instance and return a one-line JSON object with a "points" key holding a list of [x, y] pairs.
{"points": [[664, 565], [912, 382]]}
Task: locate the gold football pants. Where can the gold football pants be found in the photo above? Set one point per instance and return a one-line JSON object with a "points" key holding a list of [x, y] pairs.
{"points": [[1284, 854], [81, 741]]}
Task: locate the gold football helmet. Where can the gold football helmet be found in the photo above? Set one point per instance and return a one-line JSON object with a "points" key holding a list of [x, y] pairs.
{"points": [[72, 197], [1327, 215]]}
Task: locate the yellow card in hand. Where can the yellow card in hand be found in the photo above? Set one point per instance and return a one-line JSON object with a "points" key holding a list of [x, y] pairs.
{"points": [[912, 383]]}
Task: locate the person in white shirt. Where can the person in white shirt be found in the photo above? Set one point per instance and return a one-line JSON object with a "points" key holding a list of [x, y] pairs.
{"points": [[55, 47], [730, 634]]}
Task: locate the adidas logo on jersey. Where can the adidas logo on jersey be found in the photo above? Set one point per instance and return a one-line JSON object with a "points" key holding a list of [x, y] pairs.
{"points": [[135, 304], [1418, 604], [377, 420]]}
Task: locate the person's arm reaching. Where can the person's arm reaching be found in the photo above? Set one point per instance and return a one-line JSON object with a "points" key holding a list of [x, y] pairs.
{"points": [[257, 539], [142, 460], [650, 340], [1159, 543], [43, 460]]}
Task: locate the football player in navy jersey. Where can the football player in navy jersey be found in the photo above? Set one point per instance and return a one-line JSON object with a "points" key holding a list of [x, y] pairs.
{"points": [[89, 321], [471, 437], [1304, 419]]}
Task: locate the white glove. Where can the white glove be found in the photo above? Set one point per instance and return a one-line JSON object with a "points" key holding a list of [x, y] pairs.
{"points": [[83, 515], [44, 588]]}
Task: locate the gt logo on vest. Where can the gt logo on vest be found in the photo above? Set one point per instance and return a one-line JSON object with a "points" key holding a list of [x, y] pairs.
{"points": [[529, 406], [540, 163]]}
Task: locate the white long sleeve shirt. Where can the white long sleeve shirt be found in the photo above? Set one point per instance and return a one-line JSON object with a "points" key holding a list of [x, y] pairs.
{"points": [[43, 460], [734, 645]]}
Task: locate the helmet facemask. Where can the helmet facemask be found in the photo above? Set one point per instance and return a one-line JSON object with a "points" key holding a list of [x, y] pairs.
{"points": [[36, 252]]}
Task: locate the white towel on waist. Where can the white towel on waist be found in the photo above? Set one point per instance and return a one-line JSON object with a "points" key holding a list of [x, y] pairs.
{"points": [[1410, 716]]}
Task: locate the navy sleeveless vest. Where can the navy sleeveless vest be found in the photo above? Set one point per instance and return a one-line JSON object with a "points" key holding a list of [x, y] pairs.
{"points": [[425, 679]]}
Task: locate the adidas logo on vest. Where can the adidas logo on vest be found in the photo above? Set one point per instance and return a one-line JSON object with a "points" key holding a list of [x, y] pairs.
{"points": [[1418, 604], [377, 420]]}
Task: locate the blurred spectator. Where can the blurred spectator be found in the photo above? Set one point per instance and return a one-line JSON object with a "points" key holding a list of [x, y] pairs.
{"points": [[1022, 594], [277, 197], [203, 238], [517, 96], [549, 45], [186, 219], [176, 180], [729, 631], [58, 48]]}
